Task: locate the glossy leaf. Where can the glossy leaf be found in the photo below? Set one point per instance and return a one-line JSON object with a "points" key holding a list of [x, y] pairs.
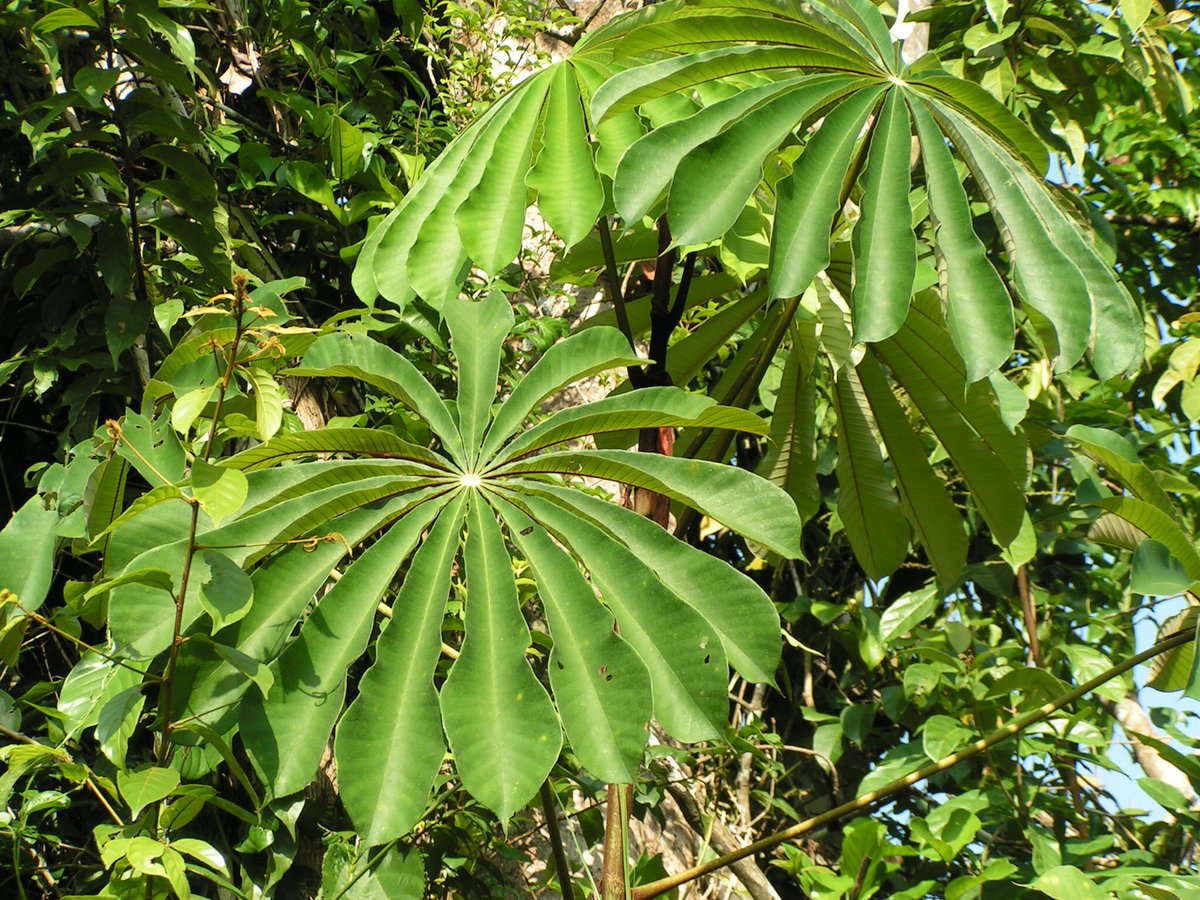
{"points": [[368, 360], [600, 685], [491, 219], [715, 179], [867, 504], [739, 612], [809, 198], [478, 330], [885, 246], [501, 725], [728, 494], [286, 733], [394, 725], [579, 355], [681, 652], [564, 176], [978, 309]]}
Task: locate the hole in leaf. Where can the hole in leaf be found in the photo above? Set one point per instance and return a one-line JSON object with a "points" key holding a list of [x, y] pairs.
{"points": [[561, 667], [607, 675], [707, 658]]}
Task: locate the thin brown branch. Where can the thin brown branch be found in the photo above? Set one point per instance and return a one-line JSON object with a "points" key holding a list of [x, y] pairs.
{"points": [[900, 786]]}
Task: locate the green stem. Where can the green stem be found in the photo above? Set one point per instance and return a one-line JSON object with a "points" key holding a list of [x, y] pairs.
{"points": [[1016, 726], [604, 227], [166, 695], [556, 844]]}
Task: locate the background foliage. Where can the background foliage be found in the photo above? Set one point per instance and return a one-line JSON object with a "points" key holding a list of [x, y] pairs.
{"points": [[980, 535]]}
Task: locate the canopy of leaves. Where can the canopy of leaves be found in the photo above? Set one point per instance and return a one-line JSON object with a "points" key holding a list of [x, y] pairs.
{"points": [[314, 555]]}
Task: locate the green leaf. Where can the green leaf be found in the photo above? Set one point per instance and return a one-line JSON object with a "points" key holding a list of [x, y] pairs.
{"points": [[220, 490], [791, 460], [978, 309], [346, 145], [400, 876], [501, 725], [738, 499], [389, 744], [1134, 12], [687, 664], [104, 496], [438, 255], [1172, 671], [188, 406], [601, 687], [1157, 525], [350, 356], [1156, 573], [867, 505], [727, 24], [27, 546], [639, 85], [218, 743], [564, 176], [650, 163], [923, 495], [885, 246], [358, 441], [581, 354], [808, 199], [286, 734], [942, 735], [1067, 883], [1056, 264], [88, 687], [659, 407], [150, 446], [68, 17], [306, 179], [491, 219], [478, 331], [714, 180], [382, 265], [969, 426], [187, 166], [157, 578], [228, 592], [1165, 795], [737, 609], [1119, 457], [986, 112], [142, 788], [268, 402], [250, 668], [906, 612], [117, 722]]}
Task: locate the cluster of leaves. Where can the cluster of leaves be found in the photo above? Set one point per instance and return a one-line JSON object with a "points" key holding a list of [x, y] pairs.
{"points": [[147, 153], [888, 308]]}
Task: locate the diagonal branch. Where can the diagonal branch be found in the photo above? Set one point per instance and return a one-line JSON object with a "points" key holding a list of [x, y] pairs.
{"points": [[1015, 727]]}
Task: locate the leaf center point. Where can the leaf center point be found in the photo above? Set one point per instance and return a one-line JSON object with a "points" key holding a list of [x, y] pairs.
{"points": [[470, 480]]}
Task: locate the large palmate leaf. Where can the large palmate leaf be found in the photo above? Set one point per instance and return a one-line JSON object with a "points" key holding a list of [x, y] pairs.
{"points": [[535, 145], [488, 491], [833, 68], [795, 134]]}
